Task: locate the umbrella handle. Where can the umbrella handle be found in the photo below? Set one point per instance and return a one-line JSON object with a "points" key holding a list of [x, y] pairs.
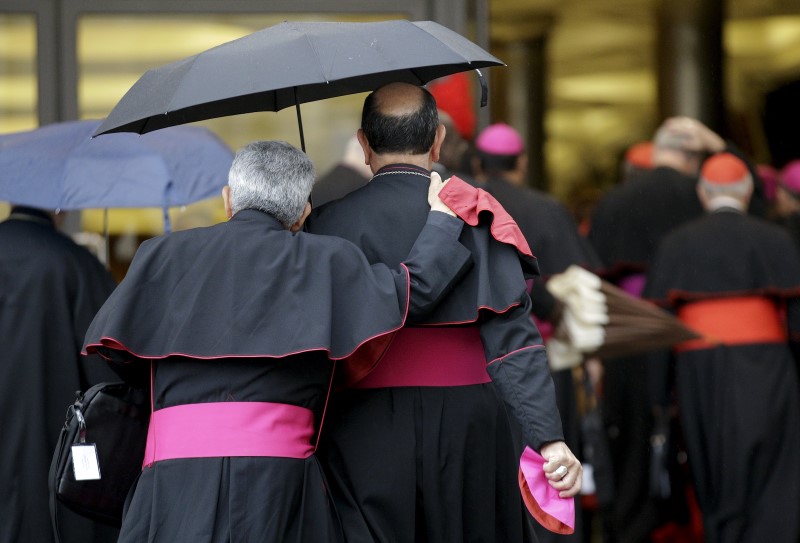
{"points": [[105, 238], [299, 121], [484, 89]]}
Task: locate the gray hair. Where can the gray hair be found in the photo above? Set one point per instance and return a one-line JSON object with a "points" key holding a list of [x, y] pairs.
{"points": [[665, 138], [271, 176]]}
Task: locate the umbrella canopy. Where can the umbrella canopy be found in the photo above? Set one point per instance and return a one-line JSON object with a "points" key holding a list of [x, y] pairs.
{"points": [[289, 64], [60, 166]]}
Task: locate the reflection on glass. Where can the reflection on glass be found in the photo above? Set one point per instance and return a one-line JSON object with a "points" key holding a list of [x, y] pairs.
{"points": [[18, 92]]}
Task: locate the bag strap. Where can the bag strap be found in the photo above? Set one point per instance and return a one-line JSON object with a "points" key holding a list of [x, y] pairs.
{"points": [[54, 485], [54, 517]]}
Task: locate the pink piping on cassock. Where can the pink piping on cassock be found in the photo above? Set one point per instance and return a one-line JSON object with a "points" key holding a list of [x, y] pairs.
{"points": [[512, 353]]}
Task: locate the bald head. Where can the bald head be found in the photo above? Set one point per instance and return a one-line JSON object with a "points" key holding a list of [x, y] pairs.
{"points": [[400, 118], [399, 99]]}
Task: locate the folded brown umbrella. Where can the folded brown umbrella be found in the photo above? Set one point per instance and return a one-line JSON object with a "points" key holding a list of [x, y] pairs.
{"points": [[601, 320], [637, 326]]}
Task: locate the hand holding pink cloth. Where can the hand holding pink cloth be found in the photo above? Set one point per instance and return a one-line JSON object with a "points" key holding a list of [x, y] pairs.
{"points": [[555, 513], [469, 202]]}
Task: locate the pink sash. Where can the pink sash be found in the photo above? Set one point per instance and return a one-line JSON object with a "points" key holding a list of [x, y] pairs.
{"points": [[431, 357], [205, 430]]}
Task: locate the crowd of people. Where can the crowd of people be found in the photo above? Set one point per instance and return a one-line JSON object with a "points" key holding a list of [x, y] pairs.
{"points": [[373, 368], [693, 434]]}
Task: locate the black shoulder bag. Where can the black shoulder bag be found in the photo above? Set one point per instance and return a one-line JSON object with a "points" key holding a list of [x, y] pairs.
{"points": [[113, 417]]}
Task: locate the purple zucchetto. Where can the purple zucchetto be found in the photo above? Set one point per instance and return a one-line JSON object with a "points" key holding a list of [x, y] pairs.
{"points": [[500, 139], [790, 177]]}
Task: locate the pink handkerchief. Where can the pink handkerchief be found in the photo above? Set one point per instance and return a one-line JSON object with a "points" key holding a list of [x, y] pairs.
{"points": [[551, 511]]}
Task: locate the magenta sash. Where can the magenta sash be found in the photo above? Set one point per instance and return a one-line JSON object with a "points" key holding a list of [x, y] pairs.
{"points": [[431, 357], [633, 284], [205, 430]]}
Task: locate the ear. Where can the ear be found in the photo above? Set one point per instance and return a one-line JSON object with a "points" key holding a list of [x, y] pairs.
{"points": [[299, 224], [441, 132], [362, 140], [226, 200]]}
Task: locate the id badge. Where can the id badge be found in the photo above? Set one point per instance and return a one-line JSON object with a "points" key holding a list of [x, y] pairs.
{"points": [[85, 463]]}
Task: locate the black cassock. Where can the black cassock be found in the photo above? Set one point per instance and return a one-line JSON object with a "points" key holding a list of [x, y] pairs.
{"points": [[631, 219], [51, 289], [242, 314], [339, 181], [738, 399], [438, 462], [626, 227]]}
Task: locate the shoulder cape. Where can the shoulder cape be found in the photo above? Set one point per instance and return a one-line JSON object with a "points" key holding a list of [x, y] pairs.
{"points": [[724, 254], [384, 217], [247, 288]]}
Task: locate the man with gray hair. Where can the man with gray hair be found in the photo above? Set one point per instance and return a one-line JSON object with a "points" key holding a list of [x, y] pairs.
{"points": [[237, 329], [735, 279]]}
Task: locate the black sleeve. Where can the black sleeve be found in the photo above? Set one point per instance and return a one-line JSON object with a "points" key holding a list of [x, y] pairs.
{"points": [[132, 370], [544, 305], [517, 365], [793, 325], [435, 264]]}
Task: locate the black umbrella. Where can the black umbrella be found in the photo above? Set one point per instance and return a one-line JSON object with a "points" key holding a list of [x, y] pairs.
{"points": [[289, 64]]}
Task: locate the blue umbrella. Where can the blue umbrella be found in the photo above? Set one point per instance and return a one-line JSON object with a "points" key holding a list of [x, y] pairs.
{"points": [[60, 166]]}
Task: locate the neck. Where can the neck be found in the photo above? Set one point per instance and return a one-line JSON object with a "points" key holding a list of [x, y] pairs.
{"points": [[676, 160], [515, 178], [718, 202], [379, 161]]}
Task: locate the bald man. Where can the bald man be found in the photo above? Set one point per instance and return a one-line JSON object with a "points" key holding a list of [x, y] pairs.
{"points": [[422, 448]]}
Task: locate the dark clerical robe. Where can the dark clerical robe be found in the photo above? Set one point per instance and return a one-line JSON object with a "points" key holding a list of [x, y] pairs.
{"points": [[422, 449], [340, 180], [736, 280], [238, 327], [51, 289], [629, 221], [626, 227]]}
